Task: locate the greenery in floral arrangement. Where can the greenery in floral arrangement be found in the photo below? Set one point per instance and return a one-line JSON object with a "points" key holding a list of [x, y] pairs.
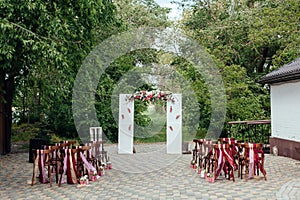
{"points": [[84, 178], [94, 173], [193, 162], [210, 175]]}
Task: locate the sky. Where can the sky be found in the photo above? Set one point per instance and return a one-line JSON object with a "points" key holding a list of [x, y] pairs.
{"points": [[175, 12]]}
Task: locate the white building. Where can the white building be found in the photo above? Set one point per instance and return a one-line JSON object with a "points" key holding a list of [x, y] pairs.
{"points": [[285, 108]]}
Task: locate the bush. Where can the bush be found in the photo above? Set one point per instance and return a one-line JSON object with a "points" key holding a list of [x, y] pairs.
{"points": [[24, 132]]}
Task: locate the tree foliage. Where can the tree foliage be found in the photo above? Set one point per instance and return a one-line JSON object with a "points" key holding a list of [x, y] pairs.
{"points": [[243, 44], [139, 13], [247, 39], [42, 44], [256, 35]]}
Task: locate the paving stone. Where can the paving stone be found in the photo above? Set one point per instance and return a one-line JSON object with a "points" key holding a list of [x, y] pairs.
{"points": [[152, 174]]}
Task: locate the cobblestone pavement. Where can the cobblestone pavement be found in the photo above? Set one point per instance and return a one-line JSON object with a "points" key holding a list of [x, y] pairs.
{"points": [[152, 174]]}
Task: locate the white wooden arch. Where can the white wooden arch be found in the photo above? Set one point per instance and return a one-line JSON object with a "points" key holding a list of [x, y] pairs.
{"points": [[126, 125]]}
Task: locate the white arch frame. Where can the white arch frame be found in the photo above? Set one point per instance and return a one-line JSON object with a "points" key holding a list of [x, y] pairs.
{"points": [[126, 125]]}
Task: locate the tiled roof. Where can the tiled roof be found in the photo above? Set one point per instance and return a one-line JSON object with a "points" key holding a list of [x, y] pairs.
{"points": [[288, 72]]}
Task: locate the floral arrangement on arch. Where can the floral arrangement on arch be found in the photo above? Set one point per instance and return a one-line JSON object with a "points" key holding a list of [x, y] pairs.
{"points": [[152, 95]]}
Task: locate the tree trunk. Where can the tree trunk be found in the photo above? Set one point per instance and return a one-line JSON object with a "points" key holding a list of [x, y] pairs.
{"points": [[251, 3], [209, 8], [6, 96], [260, 68], [2, 117], [9, 88]]}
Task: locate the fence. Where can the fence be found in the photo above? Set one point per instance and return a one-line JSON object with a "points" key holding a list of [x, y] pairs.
{"points": [[258, 131]]}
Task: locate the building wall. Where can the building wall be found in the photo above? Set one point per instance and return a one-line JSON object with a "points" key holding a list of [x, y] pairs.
{"points": [[285, 116], [285, 110], [288, 148]]}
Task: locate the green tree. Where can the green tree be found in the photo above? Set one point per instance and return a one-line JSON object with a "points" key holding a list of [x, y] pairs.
{"points": [[139, 13], [133, 14], [258, 35], [42, 44], [247, 39]]}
